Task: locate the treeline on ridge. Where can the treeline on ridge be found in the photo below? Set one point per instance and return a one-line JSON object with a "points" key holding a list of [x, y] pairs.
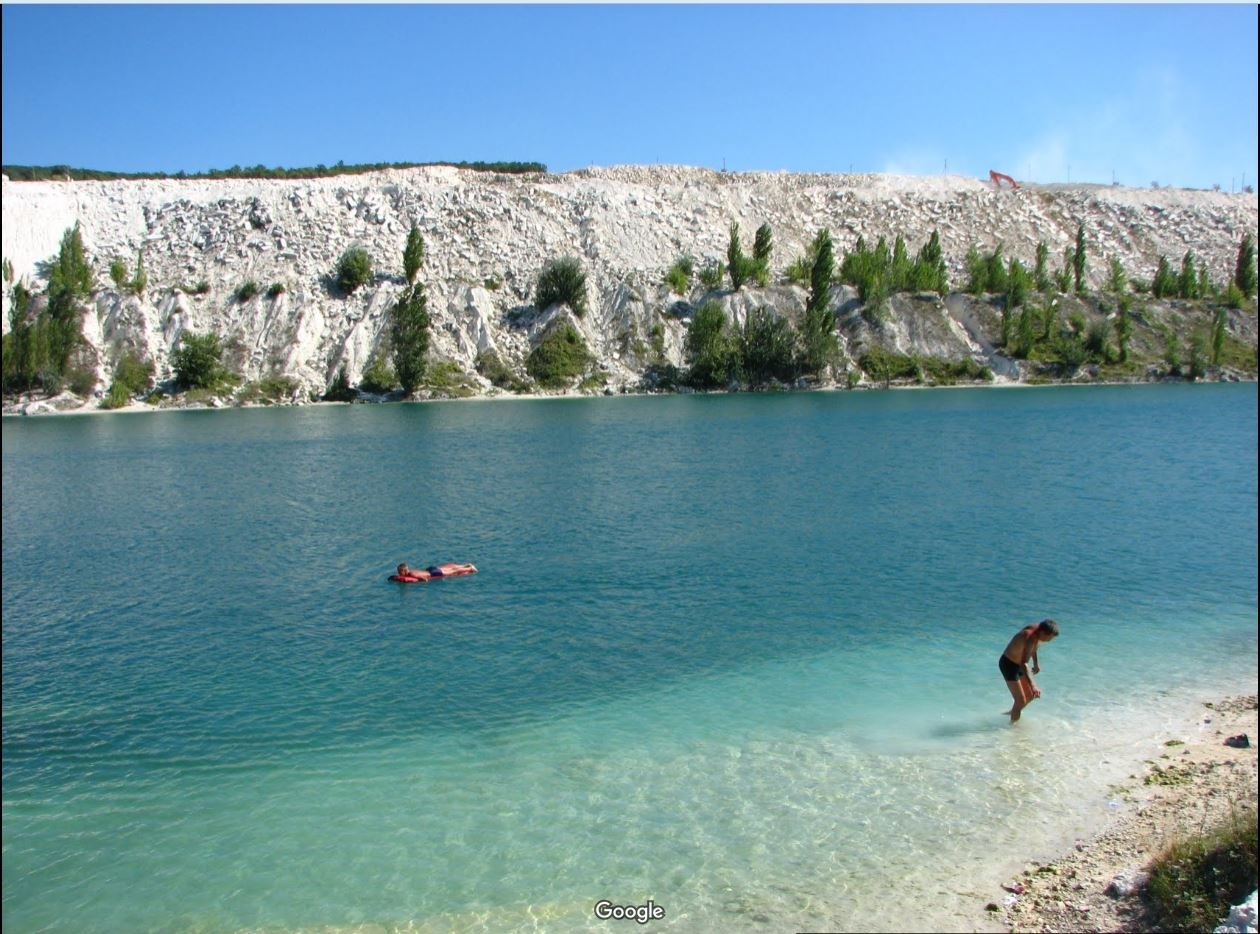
{"points": [[41, 173]]}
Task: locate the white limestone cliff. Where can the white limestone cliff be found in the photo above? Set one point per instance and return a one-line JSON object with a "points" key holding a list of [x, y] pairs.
{"points": [[488, 235]]}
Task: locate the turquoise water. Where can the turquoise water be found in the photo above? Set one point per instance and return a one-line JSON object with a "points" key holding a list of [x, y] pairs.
{"points": [[734, 654]]}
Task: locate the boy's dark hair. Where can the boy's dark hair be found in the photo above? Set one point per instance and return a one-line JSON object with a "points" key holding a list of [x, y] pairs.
{"points": [[1048, 626]]}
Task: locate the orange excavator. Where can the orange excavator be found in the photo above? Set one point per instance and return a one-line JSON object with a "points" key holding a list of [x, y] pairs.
{"points": [[998, 178]]}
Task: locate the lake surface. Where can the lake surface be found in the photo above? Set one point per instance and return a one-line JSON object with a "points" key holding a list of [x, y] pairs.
{"points": [[733, 654]]}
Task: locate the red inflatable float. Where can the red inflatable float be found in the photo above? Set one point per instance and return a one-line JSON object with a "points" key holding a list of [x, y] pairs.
{"points": [[417, 576]]}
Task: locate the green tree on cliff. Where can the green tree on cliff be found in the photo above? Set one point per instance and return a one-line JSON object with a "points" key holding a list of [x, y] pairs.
{"points": [[354, 269], [562, 282], [762, 246], [197, 361], [1165, 283], [709, 348], [140, 281], [1041, 271], [413, 254], [1245, 267], [739, 265], [928, 272], [1124, 329], [409, 336], [69, 284], [1079, 261], [1188, 281], [819, 347]]}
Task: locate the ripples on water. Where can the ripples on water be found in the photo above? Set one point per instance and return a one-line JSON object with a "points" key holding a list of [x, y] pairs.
{"points": [[735, 653]]}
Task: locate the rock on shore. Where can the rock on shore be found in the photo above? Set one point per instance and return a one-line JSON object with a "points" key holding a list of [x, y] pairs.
{"points": [[1099, 886]]}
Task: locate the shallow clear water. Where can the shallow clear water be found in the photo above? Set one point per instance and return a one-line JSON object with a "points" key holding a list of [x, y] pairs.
{"points": [[736, 654]]}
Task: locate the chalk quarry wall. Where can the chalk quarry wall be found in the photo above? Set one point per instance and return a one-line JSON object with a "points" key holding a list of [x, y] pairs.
{"points": [[488, 235]]}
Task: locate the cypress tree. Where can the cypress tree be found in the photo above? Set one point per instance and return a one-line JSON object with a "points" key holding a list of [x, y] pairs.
{"points": [[409, 336], [1218, 336], [141, 279], [1245, 267], [1124, 330], [1079, 262], [1187, 282], [413, 254], [1118, 283], [737, 263], [1041, 272], [819, 346], [69, 282], [762, 246], [1165, 283]]}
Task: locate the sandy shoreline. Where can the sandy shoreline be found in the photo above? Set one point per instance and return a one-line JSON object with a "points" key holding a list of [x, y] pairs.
{"points": [[1190, 786], [59, 405]]}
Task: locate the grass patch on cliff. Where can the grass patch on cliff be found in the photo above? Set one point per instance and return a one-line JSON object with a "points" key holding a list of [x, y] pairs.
{"points": [[884, 366], [1194, 881], [559, 358], [446, 378], [268, 390]]}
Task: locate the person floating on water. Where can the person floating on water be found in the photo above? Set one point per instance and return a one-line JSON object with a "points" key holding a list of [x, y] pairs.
{"points": [[1014, 663]]}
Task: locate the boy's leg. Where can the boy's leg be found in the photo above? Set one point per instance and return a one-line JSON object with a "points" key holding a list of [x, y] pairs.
{"points": [[1017, 692]]}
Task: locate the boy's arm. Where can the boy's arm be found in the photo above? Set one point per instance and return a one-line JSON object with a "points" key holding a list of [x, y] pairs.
{"points": [[1036, 667]]}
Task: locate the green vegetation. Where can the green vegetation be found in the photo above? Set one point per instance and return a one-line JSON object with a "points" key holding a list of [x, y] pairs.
{"points": [[140, 281], [559, 357], [767, 347], [39, 173], [877, 273], [1188, 281], [1041, 271], [198, 362], [354, 269], [884, 366], [491, 366], [987, 272], [763, 245], [819, 347], [247, 290], [1124, 331], [44, 344], [739, 265], [409, 336], [270, 389], [1165, 283], [562, 282], [1063, 278], [711, 276], [1194, 881], [1117, 281], [118, 274], [445, 378], [132, 376], [1244, 267], [378, 378], [678, 276], [709, 348], [340, 390], [275, 290], [1080, 261], [413, 254]]}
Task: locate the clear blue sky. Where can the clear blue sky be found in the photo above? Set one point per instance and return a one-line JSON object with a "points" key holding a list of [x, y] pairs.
{"points": [[1163, 93]]}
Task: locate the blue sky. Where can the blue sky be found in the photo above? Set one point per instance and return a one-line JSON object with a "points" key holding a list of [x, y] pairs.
{"points": [[1134, 93]]}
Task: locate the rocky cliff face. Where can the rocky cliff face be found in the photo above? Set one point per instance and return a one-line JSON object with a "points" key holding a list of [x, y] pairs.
{"points": [[487, 236]]}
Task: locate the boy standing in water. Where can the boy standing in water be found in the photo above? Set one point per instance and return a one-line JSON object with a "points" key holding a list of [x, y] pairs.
{"points": [[1014, 663]]}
